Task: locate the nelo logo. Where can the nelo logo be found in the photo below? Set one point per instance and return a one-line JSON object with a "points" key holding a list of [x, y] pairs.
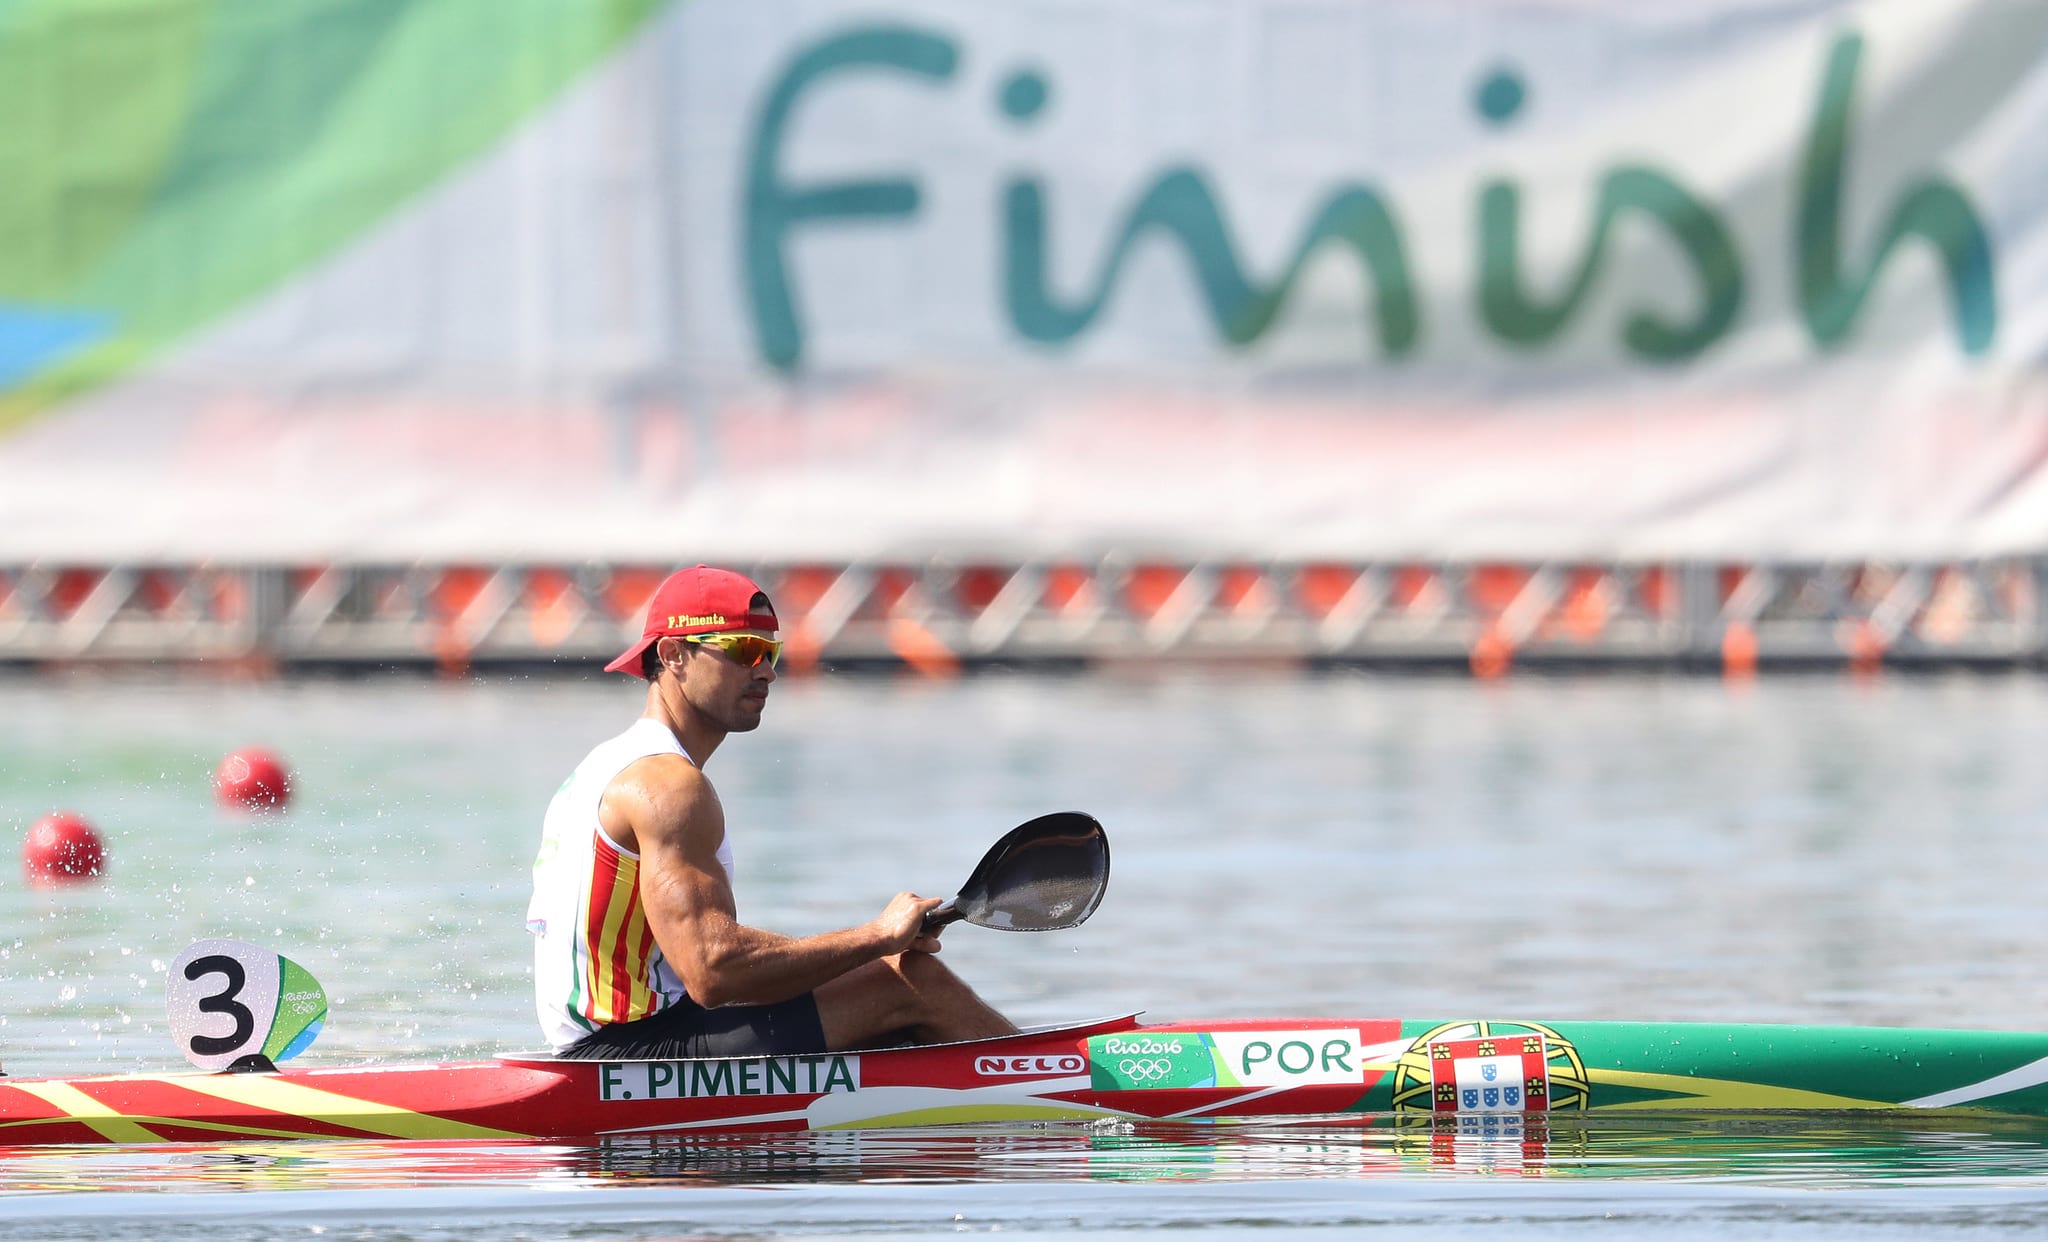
{"points": [[1020, 1067]]}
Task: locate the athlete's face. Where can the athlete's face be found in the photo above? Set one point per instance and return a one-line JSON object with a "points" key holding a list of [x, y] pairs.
{"points": [[728, 684]]}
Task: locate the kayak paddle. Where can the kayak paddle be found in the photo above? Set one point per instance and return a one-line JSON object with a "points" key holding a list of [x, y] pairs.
{"points": [[1046, 874]]}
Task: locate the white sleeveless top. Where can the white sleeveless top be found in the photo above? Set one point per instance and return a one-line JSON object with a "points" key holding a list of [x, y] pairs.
{"points": [[595, 961]]}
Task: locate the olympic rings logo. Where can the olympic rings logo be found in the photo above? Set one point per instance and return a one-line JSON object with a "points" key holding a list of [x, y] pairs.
{"points": [[1145, 1069]]}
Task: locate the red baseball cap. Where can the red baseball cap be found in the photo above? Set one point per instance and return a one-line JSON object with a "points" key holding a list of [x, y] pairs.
{"points": [[701, 600]]}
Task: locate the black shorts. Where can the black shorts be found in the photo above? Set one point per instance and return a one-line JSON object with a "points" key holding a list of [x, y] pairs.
{"points": [[687, 1029]]}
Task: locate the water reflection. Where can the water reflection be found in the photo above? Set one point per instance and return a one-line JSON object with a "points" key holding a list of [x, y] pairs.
{"points": [[1806, 1150]]}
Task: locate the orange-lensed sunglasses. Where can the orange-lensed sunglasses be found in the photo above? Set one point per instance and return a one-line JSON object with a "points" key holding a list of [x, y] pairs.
{"points": [[745, 650]]}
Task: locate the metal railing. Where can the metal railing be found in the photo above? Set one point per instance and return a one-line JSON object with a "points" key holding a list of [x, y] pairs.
{"points": [[937, 617]]}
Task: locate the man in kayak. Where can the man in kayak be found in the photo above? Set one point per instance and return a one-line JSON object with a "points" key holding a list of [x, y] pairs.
{"points": [[638, 951]]}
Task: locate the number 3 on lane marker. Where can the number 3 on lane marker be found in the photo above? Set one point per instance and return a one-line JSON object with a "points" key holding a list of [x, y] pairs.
{"points": [[233, 1002]]}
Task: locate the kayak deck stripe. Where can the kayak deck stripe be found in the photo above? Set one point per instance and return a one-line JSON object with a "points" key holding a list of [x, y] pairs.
{"points": [[1721, 1093], [977, 1113], [1233, 1102], [745, 1120], [113, 1126], [2032, 1074], [298, 1100]]}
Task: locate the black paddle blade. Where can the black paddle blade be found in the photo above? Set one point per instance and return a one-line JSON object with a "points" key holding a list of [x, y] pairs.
{"points": [[1047, 874]]}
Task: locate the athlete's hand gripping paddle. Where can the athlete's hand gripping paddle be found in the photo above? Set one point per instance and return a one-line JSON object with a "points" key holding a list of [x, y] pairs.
{"points": [[1047, 874]]}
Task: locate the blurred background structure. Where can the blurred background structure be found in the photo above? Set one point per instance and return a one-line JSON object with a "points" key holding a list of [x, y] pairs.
{"points": [[1706, 333]]}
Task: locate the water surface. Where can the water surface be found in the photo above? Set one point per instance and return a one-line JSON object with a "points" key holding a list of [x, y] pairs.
{"points": [[1799, 850]]}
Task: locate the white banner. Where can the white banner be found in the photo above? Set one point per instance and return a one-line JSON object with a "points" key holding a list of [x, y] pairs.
{"points": [[1596, 280]]}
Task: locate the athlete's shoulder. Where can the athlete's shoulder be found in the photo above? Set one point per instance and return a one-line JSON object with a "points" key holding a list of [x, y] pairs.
{"points": [[662, 777], [662, 795]]}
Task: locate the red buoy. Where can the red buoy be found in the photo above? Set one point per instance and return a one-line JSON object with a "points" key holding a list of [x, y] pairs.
{"points": [[62, 848], [252, 779]]}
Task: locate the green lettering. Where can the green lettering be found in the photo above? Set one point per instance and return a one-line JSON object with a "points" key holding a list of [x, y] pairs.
{"points": [[1935, 210], [841, 1075], [750, 1078], [1702, 238], [772, 209], [781, 1074], [1180, 206], [711, 1078], [660, 1074], [1263, 1050], [1337, 1052], [1308, 1055], [613, 1078]]}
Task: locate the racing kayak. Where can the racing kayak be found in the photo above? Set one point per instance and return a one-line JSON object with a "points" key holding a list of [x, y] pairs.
{"points": [[1110, 1069], [237, 1009]]}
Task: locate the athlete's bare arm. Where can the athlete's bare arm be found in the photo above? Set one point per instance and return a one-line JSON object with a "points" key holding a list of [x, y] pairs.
{"points": [[663, 808]]}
